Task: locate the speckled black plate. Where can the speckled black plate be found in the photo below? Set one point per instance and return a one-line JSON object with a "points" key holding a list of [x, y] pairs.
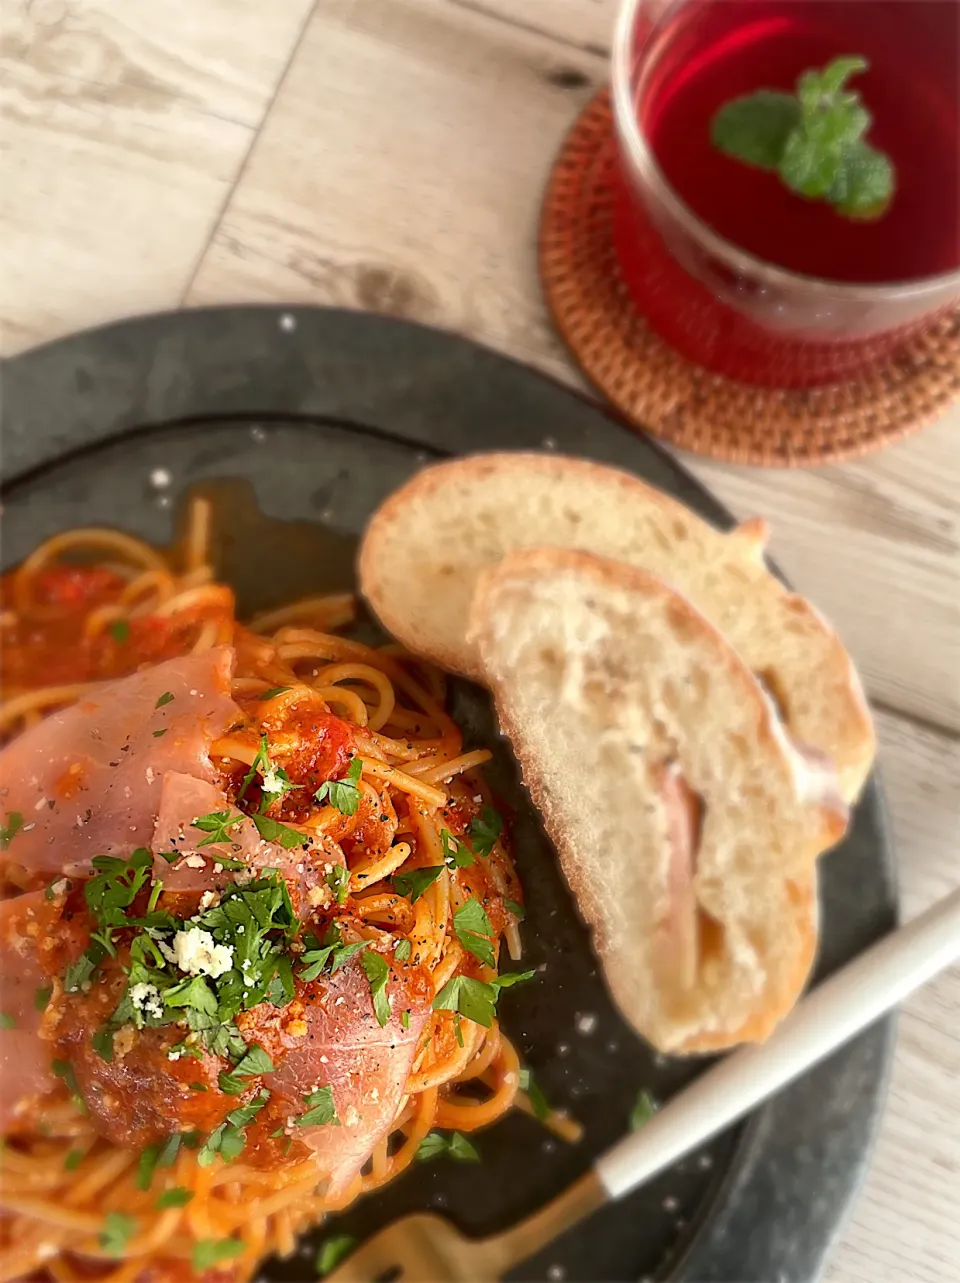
{"points": [[317, 415]]}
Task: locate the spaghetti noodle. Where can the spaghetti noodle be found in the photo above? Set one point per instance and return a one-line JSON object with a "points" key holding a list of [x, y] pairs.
{"points": [[384, 789]]}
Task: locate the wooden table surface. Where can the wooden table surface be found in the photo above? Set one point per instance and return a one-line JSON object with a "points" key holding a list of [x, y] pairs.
{"points": [[390, 155]]}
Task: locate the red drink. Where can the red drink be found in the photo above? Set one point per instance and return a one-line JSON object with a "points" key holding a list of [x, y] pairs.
{"points": [[697, 56]]}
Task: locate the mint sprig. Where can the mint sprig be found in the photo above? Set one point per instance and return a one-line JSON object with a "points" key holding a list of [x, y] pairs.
{"points": [[814, 141]]}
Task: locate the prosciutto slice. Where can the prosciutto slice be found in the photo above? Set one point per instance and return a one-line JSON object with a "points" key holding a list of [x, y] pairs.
{"points": [[24, 1059], [88, 780], [185, 798], [366, 1066]]}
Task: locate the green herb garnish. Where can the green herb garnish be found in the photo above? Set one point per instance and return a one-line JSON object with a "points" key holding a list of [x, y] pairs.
{"points": [[538, 1101], [175, 1197], [208, 1252], [814, 141], [338, 880], [322, 1109], [217, 824], [456, 854], [165, 698], [518, 911], [456, 1145], [119, 630], [273, 831], [332, 1252], [403, 951], [343, 794], [7, 1021], [485, 829], [477, 999], [473, 929], [377, 972], [643, 1111], [117, 1230], [73, 1160], [10, 830], [414, 883]]}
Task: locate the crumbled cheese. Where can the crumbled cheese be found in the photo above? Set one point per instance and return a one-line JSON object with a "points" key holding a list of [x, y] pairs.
{"points": [[218, 868], [146, 998], [319, 895], [196, 954], [209, 898], [270, 781], [195, 862], [122, 1042], [60, 887], [351, 1117]]}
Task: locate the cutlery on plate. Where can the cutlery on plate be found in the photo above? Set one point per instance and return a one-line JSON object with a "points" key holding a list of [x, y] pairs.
{"points": [[425, 1247]]}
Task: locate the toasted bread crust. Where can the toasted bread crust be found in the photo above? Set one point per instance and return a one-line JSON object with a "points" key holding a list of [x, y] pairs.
{"points": [[827, 820], [851, 727]]}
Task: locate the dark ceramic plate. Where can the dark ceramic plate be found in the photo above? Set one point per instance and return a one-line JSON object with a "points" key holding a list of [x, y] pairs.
{"points": [[313, 417]]}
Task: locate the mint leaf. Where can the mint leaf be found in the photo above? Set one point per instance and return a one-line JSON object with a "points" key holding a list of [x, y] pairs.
{"points": [[755, 128], [813, 141]]}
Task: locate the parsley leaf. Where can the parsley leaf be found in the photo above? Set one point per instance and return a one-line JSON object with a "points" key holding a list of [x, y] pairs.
{"points": [[73, 1160], [165, 698], [208, 1252], [475, 999], [117, 1230], [119, 630], [255, 1062], [518, 911], [332, 1252], [405, 1019], [163, 731], [456, 1146], [538, 1101], [273, 831], [175, 1197], [217, 824], [322, 1109], [403, 951], [7, 1021], [485, 828], [338, 880], [343, 794], [274, 783], [377, 972], [414, 883], [10, 830], [456, 854], [643, 1111], [273, 692], [41, 997], [473, 929], [102, 1043]]}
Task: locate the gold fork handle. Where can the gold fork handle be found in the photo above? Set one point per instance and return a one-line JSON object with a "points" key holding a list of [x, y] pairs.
{"points": [[575, 1204]]}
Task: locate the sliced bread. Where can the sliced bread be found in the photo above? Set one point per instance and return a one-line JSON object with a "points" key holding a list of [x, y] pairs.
{"points": [[687, 824], [426, 545]]}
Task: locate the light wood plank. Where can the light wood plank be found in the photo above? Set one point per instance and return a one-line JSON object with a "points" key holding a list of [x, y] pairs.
{"points": [[904, 1226], [587, 24], [401, 170], [125, 124]]}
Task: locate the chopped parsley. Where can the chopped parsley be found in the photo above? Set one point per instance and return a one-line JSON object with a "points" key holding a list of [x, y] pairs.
{"points": [[165, 698], [228, 1140], [273, 831], [217, 824], [119, 630], [643, 1111], [175, 1197], [332, 1252], [485, 829], [473, 929], [10, 830], [117, 1231], [255, 1062], [330, 958], [414, 883], [403, 951], [455, 1145], [274, 691], [456, 854], [7, 1021], [538, 1102], [163, 731], [338, 880], [377, 972], [159, 1155], [73, 1160], [518, 911], [322, 1109], [405, 1019], [343, 794], [102, 1043], [274, 783], [476, 999], [208, 1252]]}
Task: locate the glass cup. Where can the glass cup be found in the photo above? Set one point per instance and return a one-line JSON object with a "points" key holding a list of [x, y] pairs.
{"points": [[720, 305]]}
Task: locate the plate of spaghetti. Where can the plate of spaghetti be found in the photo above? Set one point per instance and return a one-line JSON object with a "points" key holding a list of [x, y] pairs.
{"points": [[283, 950]]}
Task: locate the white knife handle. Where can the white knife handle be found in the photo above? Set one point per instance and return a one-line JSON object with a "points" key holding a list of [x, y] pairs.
{"points": [[832, 1014]]}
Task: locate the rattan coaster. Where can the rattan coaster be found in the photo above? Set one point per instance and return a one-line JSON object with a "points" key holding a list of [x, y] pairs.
{"points": [[659, 391]]}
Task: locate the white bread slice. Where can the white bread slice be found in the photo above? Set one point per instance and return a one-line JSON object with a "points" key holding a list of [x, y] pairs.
{"points": [[636, 725], [426, 545]]}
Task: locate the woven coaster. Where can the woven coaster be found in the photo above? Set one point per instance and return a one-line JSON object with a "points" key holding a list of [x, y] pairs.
{"points": [[658, 391]]}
